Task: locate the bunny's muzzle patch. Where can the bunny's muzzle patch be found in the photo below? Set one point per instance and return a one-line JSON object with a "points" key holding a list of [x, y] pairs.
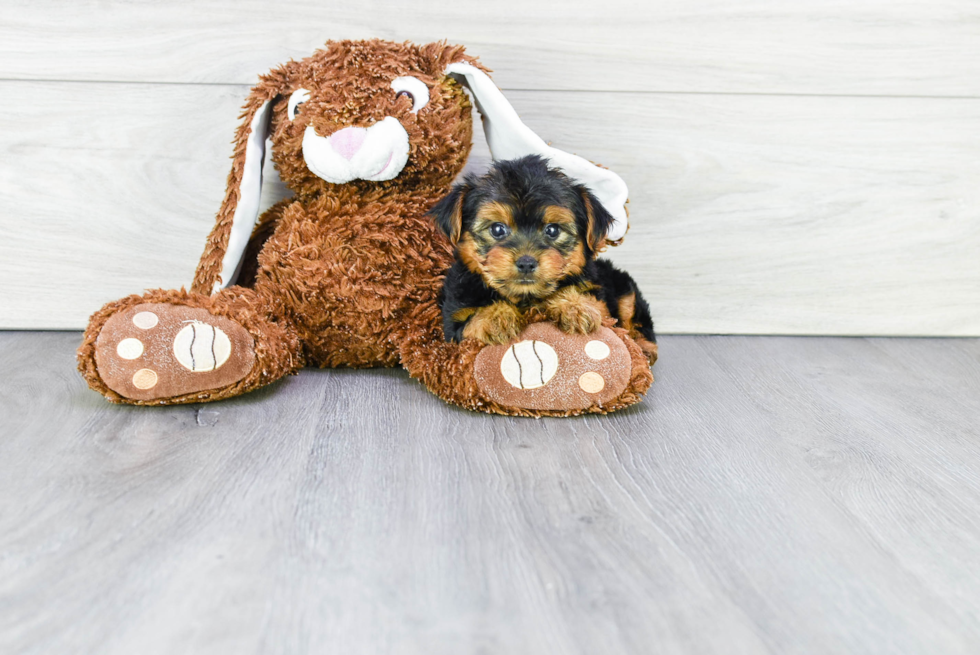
{"points": [[377, 153]]}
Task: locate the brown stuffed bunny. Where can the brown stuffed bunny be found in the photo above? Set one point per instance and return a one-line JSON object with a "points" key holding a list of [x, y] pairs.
{"points": [[368, 135]]}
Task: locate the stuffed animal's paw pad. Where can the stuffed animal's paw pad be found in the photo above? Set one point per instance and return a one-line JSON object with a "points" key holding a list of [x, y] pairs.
{"points": [[529, 364], [553, 370], [156, 350]]}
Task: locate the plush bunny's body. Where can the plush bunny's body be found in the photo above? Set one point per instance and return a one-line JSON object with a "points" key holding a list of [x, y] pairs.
{"points": [[368, 135]]}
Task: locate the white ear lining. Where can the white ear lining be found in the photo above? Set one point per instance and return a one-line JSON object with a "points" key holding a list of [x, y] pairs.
{"points": [[249, 196], [509, 138]]}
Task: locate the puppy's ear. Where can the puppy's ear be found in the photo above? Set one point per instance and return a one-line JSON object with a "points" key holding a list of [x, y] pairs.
{"points": [[448, 212], [597, 221]]}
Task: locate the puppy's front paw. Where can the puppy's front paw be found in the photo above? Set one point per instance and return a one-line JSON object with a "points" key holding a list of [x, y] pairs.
{"points": [[498, 323], [575, 312]]}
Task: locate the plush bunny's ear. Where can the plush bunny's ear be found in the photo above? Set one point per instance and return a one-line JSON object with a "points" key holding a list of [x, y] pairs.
{"points": [[509, 138], [239, 210]]}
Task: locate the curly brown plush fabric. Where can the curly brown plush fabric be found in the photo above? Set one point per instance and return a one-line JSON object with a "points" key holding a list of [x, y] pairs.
{"points": [[342, 274]]}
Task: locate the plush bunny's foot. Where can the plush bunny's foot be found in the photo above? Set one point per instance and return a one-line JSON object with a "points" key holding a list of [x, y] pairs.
{"points": [[156, 351], [543, 372], [548, 369]]}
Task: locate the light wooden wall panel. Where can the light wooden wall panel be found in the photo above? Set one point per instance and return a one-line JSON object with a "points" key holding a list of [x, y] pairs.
{"points": [[750, 214], [878, 47], [797, 168]]}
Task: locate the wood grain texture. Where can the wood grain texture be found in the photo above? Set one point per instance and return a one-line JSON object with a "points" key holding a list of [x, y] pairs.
{"points": [[771, 495], [107, 190], [877, 47], [749, 214]]}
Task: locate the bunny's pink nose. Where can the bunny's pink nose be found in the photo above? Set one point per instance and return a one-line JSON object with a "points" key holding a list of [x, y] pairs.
{"points": [[348, 141]]}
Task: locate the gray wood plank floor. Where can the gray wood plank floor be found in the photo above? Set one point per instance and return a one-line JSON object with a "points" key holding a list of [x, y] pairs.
{"points": [[771, 495]]}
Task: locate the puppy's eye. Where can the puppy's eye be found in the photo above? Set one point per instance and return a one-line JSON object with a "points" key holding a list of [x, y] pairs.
{"points": [[552, 231], [299, 97], [499, 231], [412, 88]]}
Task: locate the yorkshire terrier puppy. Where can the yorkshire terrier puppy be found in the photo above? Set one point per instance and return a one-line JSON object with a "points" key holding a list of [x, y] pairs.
{"points": [[526, 237]]}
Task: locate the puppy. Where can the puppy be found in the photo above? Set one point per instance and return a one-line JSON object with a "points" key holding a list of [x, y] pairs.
{"points": [[525, 236]]}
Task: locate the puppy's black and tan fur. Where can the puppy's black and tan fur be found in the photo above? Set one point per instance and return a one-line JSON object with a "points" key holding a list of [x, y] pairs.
{"points": [[527, 236]]}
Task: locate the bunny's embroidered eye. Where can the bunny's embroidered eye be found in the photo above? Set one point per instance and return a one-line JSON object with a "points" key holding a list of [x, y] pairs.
{"points": [[412, 88], [299, 97]]}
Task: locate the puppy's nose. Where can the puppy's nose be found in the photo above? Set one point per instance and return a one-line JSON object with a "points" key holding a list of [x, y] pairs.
{"points": [[348, 141], [526, 264]]}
